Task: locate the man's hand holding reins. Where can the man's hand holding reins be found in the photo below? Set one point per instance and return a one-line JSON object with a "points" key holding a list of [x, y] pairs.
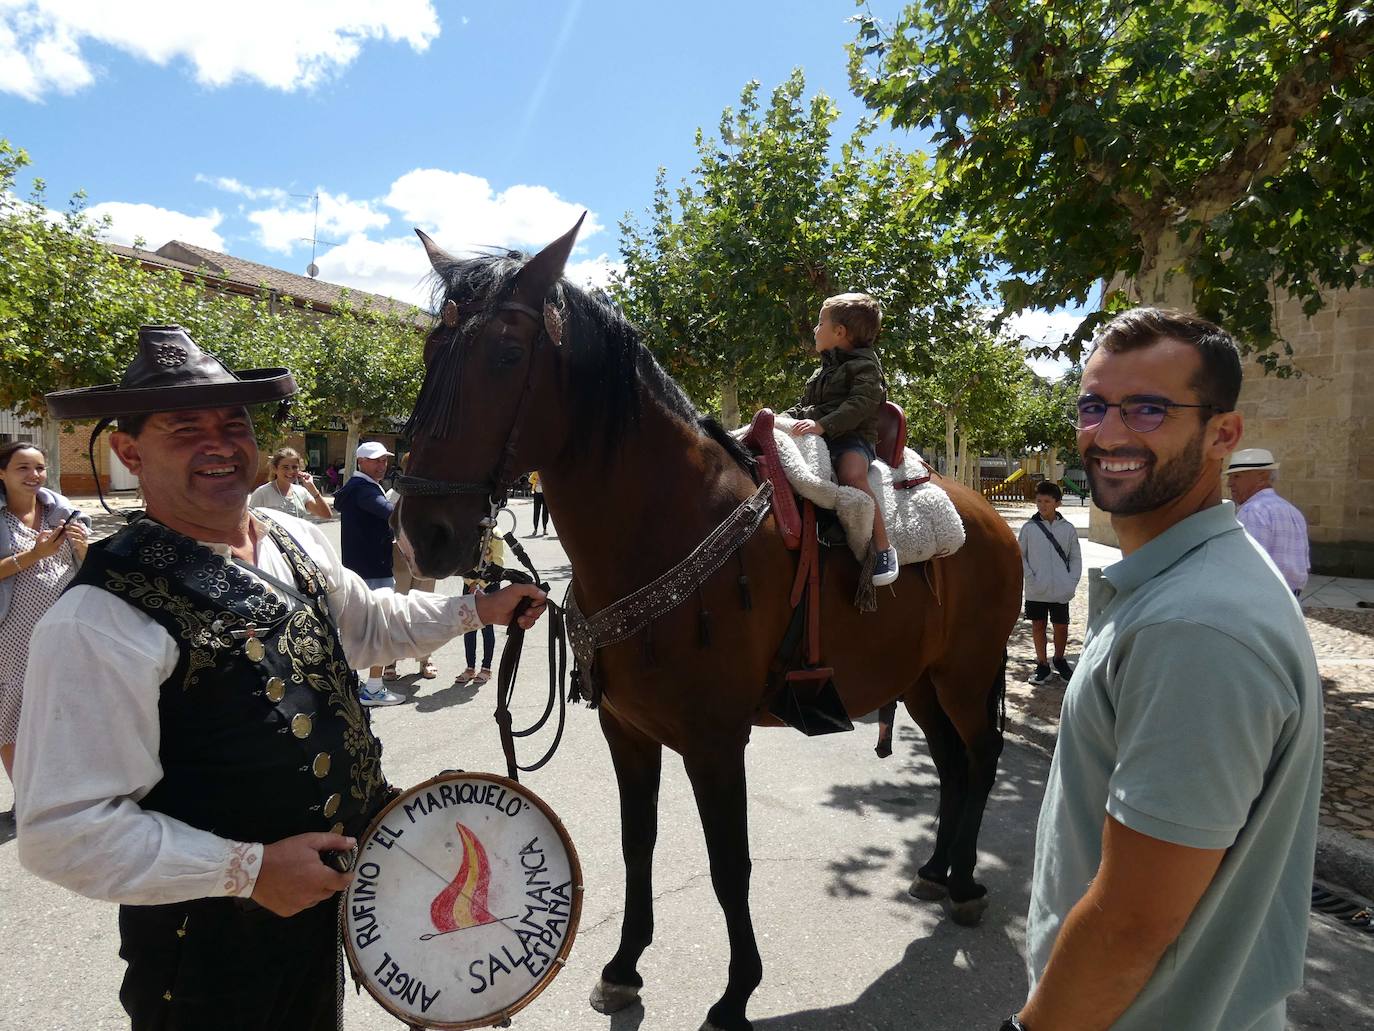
{"points": [[498, 607]]}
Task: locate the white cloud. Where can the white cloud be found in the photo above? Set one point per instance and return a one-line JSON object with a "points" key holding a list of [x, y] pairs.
{"points": [[1036, 328], [231, 185], [394, 268], [462, 211], [594, 271], [155, 226], [285, 46], [285, 227]]}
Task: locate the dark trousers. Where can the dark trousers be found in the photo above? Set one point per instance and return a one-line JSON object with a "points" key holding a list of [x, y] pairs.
{"points": [[225, 965], [540, 509], [488, 641]]}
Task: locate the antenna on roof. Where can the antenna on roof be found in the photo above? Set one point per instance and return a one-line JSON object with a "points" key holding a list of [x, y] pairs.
{"points": [[312, 270]]}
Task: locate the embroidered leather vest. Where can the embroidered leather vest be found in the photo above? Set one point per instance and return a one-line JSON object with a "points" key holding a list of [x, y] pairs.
{"points": [[262, 734]]}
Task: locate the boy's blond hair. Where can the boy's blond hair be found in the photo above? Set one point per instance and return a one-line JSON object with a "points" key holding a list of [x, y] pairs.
{"points": [[859, 314]]}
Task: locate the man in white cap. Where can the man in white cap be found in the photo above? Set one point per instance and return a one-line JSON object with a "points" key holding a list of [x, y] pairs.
{"points": [[1276, 524], [365, 541]]}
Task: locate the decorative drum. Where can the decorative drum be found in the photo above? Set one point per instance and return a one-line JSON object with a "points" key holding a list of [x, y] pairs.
{"points": [[464, 904]]}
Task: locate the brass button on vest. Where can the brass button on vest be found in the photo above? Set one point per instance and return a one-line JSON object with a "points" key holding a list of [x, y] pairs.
{"points": [[253, 649], [301, 725], [276, 689], [336, 829], [331, 805], [320, 767]]}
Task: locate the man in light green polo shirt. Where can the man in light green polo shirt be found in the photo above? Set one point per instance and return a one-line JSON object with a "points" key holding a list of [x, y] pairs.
{"points": [[1174, 853]]}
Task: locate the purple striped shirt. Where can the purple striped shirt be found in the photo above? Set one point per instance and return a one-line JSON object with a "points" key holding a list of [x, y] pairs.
{"points": [[1281, 531]]}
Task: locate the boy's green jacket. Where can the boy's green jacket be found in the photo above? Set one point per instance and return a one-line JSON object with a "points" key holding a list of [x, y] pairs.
{"points": [[845, 393]]}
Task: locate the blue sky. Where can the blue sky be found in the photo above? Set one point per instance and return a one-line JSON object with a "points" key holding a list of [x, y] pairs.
{"points": [[482, 123]]}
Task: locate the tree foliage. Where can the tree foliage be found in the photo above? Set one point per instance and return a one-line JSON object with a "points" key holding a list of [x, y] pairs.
{"points": [[70, 311], [1203, 149], [728, 275]]}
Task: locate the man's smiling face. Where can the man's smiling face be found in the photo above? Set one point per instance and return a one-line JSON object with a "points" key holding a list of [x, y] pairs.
{"points": [[1131, 472], [195, 467]]}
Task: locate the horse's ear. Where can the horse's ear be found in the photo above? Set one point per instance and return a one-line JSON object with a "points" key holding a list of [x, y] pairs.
{"points": [[437, 255], [542, 271]]}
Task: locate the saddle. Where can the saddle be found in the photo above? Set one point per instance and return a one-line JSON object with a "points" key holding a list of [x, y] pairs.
{"points": [[804, 695]]}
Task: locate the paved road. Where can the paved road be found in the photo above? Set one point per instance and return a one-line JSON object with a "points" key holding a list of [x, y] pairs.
{"points": [[837, 835]]}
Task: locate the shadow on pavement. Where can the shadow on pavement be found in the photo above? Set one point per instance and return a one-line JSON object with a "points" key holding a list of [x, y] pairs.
{"points": [[454, 694], [900, 999]]}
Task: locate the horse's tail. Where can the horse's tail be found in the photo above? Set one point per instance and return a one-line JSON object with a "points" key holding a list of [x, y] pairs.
{"points": [[997, 698]]}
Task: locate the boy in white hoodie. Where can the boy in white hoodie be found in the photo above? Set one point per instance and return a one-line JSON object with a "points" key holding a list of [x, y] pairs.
{"points": [[1051, 563]]}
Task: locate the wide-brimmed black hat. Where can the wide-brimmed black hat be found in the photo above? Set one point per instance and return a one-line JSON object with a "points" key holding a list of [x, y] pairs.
{"points": [[171, 374]]}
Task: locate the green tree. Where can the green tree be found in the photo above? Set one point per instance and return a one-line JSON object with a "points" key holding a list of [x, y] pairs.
{"points": [[365, 367], [69, 310], [1203, 150], [727, 277], [969, 402]]}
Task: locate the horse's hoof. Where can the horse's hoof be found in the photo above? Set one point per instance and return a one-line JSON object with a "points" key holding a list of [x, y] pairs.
{"points": [[968, 913], [928, 891], [612, 998]]}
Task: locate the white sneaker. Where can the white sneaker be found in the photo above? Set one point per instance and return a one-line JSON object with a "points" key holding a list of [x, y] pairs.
{"points": [[380, 696], [885, 568]]}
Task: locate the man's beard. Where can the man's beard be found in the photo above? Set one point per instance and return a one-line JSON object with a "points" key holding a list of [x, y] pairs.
{"points": [[1162, 483]]}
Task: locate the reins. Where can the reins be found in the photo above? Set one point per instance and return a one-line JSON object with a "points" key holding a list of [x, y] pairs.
{"points": [[510, 665]]}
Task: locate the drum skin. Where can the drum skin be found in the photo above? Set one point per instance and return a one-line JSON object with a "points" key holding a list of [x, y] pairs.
{"points": [[464, 903]]}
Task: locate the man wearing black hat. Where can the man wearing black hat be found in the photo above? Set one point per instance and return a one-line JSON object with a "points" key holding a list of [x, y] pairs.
{"points": [[198, 753]]}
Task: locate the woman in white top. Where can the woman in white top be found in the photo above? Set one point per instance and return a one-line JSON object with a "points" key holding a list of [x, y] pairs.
{"points": [[291, 489]]}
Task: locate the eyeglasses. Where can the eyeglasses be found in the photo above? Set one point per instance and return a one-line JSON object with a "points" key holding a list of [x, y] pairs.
{"points": [[1141, 414]]}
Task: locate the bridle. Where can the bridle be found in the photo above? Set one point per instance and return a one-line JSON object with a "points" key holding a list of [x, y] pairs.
{"points": [[434, 412], [443, 377]]}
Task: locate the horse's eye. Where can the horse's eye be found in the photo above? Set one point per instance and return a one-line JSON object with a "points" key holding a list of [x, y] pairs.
{"points": [[508, 357]]}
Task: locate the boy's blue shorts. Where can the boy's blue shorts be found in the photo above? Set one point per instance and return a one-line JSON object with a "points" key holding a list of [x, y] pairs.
{"points": [[850, 442]]}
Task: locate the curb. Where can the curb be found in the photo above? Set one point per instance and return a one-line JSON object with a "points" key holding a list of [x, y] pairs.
{"points": [[1342, 859]]}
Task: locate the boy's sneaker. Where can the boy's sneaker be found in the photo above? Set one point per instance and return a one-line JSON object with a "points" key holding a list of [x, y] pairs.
{"points": [[1042, 673], [380, 696], [885, 568], [1062, 667]]}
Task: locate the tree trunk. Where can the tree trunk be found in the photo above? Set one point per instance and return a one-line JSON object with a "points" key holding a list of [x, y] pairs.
{"points": [[951, 466], [729, 403], [965, 475], [1163, 280], [354, 422], [50, 436]]}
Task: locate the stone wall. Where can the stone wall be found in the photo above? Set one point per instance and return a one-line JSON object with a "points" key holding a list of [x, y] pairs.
{"points": [[1320, 427]]}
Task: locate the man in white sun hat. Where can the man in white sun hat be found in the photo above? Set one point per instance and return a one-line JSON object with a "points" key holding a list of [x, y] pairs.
{"points": [[365, 539], [1276, 524]]}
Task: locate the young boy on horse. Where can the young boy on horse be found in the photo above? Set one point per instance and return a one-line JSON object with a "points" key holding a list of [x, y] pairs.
{"points": [[842, 400]]}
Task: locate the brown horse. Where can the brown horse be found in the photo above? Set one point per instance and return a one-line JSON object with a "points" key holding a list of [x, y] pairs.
{"points": [[636, 479]]}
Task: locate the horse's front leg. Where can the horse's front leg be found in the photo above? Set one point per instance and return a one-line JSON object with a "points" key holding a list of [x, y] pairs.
{"points": [[717, 778], [638, 762]]}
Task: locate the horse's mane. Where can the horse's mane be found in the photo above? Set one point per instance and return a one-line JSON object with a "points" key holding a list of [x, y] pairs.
{"points": [[608, 363]]}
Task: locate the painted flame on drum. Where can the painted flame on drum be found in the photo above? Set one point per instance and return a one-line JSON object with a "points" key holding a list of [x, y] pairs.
{"points": [[463, 903]]}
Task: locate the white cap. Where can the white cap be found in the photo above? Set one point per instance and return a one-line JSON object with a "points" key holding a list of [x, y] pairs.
{"points": [[373, 449], [1251, 458]]}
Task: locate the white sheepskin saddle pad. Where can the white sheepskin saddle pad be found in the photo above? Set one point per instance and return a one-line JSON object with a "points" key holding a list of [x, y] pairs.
{"points": [[921, 521]]}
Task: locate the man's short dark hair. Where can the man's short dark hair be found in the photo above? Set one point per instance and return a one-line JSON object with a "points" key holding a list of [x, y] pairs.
{"points": [[1050, 488], [132, 424], [1217, 381]]}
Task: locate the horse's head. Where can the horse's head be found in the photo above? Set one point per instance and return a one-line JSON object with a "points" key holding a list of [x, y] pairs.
{"points": [[490, 408]]}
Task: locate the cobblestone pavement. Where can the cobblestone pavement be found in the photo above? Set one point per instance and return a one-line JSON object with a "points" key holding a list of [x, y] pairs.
{"points": [[1344, 643]]}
